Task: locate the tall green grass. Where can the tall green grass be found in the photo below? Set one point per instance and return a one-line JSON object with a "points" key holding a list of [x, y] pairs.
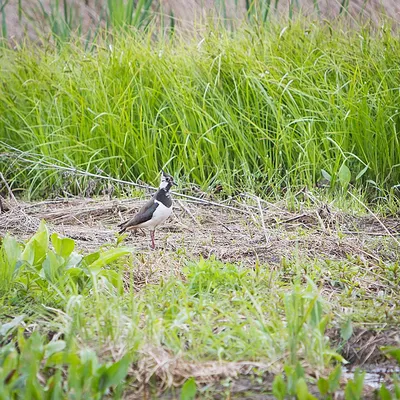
{"points": [[266, 106]]}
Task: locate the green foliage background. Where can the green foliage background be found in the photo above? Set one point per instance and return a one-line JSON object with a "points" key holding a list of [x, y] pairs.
{"points": [[263, 106]]}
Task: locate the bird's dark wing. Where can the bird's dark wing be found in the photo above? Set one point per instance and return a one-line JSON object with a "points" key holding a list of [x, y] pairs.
{"points": [[144, 214]]}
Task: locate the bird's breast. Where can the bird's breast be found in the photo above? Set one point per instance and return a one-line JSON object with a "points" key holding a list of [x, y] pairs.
{"points": [[161, 213]]}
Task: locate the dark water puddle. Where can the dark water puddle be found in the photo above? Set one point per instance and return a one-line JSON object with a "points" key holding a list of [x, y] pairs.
{"points": [[248, 388], [374, 376]]}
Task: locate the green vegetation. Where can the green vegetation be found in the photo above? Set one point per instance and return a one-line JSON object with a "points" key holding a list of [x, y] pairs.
{"points": [[78, 327], [264, 106]]}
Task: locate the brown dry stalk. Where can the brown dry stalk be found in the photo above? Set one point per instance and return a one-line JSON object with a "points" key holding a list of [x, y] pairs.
{"points": [[375, 217]]}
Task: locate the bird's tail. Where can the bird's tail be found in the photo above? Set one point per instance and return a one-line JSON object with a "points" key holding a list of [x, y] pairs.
{"points": [[123, 227]]}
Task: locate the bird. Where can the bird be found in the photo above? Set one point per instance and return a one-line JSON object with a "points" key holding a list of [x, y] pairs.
{"points": [[155, 212]]}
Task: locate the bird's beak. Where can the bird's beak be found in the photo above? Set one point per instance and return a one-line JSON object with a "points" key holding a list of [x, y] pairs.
{"points": [[174, 183]]}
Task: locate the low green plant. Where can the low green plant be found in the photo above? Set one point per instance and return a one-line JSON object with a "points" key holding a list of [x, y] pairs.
{"points": [[35, 368], [189, 389], [293, 385], [65, 316], [48, 275], [328, 386], [306, 324], [354, 387]]}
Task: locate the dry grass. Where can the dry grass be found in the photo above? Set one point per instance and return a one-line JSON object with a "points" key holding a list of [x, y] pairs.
{"points": [[205, 230]]}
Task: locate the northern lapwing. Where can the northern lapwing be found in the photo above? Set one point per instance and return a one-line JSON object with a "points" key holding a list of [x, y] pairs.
{"points": [[155, 211]]}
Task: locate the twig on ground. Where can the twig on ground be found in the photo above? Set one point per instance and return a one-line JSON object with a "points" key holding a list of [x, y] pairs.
{"points": [[8, 188], [39, 161], [371, 233], [291, 219], [374, 215], [188, 213], [252, 196], [262, 221]]}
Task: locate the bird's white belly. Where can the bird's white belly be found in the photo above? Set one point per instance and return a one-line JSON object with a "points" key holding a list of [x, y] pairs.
{"points": [[160, 215]]}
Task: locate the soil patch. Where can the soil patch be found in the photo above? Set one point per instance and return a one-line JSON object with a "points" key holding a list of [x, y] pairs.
{"points": [[242, 233]]}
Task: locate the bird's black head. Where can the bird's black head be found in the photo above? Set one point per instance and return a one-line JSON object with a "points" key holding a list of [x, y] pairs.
{"points": [[166, 181]]}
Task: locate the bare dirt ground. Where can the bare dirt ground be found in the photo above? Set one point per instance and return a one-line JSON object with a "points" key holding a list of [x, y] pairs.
{"points": [[248, 232], [241, 232]]}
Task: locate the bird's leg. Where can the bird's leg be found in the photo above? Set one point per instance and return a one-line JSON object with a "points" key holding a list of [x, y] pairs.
{"points": [[153, 244]]}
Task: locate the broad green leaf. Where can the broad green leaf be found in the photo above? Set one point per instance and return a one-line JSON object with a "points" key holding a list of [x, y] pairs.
{"points": [[21, 339], [28, 254], [326, 175], [316, 314], [60, 358], [73, 260], [334, 379], [75, 272], [354, 387], [90, 258], [323, 323], [323, 386], [19, 384], [54, 347], [36, 248], [116, 373], [62, 246], [299, 371], [112, 277], [89, 357], [335, 356], [346, 330], [302, 392], [56, 359], [189, 389], [100, 381], [5, 329], [384, 393], [41, 236], [12, 251], [279, 387], [108, 257], [396, 387], [54, 385], [33, 389], [362, 172], [393, 352], [52, 266], [344, 175], [9, 358]]}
